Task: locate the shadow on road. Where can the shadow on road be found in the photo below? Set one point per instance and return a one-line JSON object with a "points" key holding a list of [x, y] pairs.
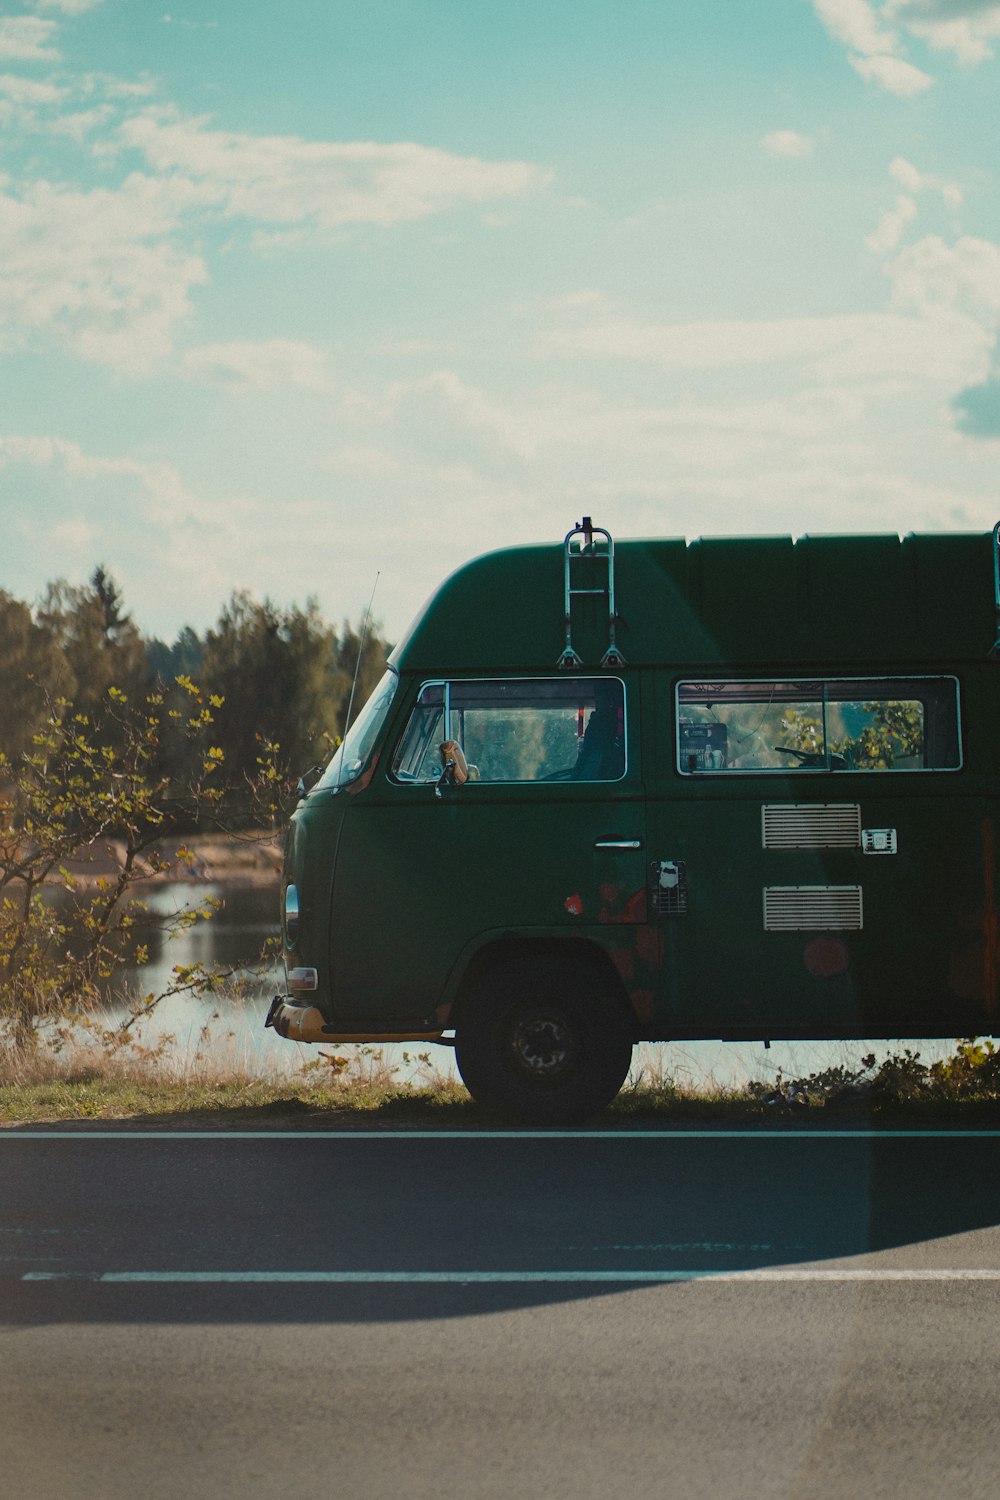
{"points": [[575, 1206]]}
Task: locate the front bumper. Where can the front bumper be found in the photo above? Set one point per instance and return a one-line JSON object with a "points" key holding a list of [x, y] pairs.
{"points": [[306, 1023]]}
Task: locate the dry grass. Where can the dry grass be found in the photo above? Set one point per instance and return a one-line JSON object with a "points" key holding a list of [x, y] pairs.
{"points": [[222, 1086], [227, 1083]]}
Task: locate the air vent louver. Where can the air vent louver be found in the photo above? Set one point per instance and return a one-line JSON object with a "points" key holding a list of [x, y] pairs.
{"points": [[811, 825], [812, 908]]}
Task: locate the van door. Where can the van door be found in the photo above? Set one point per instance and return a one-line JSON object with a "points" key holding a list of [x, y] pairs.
{"points": [[536, 832], [823, 864]]}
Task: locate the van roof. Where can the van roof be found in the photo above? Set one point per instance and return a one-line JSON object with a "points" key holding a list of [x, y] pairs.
{"points": [[741, 601]]}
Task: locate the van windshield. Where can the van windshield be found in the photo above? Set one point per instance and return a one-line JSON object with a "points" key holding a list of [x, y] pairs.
{"points": [[349, 759]]}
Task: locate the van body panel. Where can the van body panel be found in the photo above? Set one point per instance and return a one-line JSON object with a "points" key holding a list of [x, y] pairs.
{"points": [[420, 878], [745, 600], [668, 873]]}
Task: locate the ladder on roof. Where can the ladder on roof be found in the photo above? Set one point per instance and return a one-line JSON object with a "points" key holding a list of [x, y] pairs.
{"points": [[596, 546]]}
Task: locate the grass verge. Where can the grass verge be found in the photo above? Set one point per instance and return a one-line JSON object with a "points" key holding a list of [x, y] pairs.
{"points": [[259, 1104], [367, 1086], [224, 1104]]}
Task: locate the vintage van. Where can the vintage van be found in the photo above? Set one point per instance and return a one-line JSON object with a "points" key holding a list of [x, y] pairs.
{"points": [[738, 789]]}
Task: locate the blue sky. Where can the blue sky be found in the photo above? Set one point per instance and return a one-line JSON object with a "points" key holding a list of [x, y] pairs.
{"points": [[291, 295]]}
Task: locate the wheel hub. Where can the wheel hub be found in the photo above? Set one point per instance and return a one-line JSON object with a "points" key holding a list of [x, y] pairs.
{"points": [[543, 1045]]}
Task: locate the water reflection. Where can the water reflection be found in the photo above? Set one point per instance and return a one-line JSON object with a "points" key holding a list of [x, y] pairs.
{"points": [[233, 937]]}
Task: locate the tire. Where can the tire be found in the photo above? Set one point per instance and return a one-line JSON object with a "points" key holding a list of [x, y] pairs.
{"points": [[543, 1043]]}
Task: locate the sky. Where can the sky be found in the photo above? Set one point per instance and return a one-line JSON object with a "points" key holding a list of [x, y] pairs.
{"points": [[298, 296]]}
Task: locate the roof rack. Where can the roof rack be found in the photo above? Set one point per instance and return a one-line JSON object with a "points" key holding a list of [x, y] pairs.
{"points": [[597, 545]]}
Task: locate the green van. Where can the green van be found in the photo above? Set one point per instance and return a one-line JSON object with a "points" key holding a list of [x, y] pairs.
{"points": [[740, 789]]}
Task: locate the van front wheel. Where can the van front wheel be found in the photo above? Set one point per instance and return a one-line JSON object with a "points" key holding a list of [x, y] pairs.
{"points": [[543, 1045]]}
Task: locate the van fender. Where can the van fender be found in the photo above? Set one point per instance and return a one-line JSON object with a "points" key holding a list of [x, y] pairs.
{"points": [[583, 947]]}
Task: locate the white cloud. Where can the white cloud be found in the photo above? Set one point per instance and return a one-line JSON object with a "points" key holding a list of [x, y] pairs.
{"points": [[788, 143], [855, 23], [108, 272], [950, 346], [81, 122], [891, 226], [68, 7], [939, 335], [681, 425], [965, 28], [586, 299], [965, 39], [932, 275], [76, 535], [895, 75], [159, 483], [810, 496], [534, 455], [364, 459], [266, 365], [568, 431], [873, 51], [443, 398], [907, 175], [169, 20], [175, 555], [821, 458], [940, 9], [117, 88], [846, 454], [27, 38], [74, 106], [97, 270], [288, 180], [28, 91]]}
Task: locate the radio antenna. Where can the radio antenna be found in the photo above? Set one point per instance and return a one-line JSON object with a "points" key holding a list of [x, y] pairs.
{"points": [[357, 670]]}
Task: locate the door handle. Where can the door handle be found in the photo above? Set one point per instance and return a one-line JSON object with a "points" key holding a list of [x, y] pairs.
{"points": [[618, 844]]}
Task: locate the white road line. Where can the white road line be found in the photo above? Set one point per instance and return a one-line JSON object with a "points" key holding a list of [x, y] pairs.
{"points": [[782, 1275], [817, 1134]]}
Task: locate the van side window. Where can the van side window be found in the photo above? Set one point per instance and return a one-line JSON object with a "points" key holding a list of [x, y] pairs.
{"points": [[834, 724], [417, 758], [518, 729]]}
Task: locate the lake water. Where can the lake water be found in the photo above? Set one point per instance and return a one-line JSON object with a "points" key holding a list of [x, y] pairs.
{"points": [[233, 937], [248, 917]]}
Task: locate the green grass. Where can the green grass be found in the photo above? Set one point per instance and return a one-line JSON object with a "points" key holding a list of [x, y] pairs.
{"points": [[364, 1088], [246, 1101], [209, 1090], [222, 1104]]}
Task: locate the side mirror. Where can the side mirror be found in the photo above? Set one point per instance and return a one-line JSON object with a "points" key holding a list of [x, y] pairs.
{"points": [[307, 781], [447, 777], [456, 767]]}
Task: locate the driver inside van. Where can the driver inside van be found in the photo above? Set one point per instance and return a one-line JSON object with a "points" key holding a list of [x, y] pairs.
{"points": [[602, 749]]}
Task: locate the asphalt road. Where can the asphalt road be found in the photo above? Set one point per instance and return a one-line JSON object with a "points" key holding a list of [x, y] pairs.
{"points": [[498, 1314]]}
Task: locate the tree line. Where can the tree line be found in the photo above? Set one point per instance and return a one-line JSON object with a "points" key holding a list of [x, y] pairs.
{"points": [[275, 676]]}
